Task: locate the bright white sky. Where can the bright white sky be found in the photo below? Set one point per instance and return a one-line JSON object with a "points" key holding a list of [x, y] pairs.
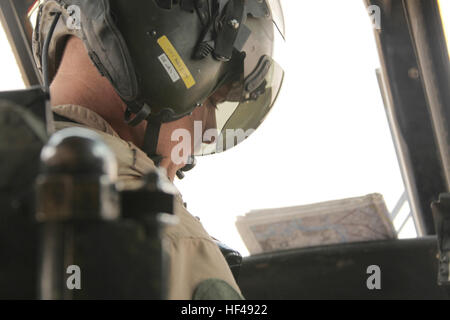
{"points": [[326, 139]]}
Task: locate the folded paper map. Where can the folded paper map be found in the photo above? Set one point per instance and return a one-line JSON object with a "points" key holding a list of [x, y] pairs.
{"points": [[342, 221]]}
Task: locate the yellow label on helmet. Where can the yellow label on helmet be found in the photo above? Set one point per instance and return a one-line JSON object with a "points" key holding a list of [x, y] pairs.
{"points": [[177, 62]]}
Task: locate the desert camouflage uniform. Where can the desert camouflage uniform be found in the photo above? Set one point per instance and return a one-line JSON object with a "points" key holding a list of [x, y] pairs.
{"points": [[198, 268]]}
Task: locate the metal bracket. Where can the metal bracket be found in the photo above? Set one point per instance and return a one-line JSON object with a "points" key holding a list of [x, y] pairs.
{"points": [[441, 214]]}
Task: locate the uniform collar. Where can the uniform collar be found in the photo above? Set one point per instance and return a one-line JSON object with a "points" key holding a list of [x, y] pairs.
{"points": [[86, 117]]}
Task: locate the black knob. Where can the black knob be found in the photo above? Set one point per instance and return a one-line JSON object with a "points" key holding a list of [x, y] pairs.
{"points": [[78, 151]]}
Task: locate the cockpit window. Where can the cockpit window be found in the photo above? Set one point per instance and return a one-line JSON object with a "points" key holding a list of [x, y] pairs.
{"points": [[444, 7]]}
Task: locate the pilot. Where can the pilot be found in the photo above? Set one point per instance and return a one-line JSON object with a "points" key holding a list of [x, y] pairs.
{"points": [[163, 81]]}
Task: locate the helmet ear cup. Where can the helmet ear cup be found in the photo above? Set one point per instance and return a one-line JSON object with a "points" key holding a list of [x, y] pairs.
{"points": [[102, 39]]}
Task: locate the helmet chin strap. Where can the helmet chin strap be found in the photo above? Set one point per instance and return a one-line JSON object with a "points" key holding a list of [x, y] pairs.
{"points": [[151, 143], [151, 138]]}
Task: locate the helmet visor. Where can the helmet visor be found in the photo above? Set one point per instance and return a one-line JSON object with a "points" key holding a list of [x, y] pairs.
{"points": [[277, 16], [235, 119]]}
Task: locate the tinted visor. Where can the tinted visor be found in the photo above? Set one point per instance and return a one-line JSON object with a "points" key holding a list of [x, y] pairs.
{"points": [[237, 119], [277, 16]]}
